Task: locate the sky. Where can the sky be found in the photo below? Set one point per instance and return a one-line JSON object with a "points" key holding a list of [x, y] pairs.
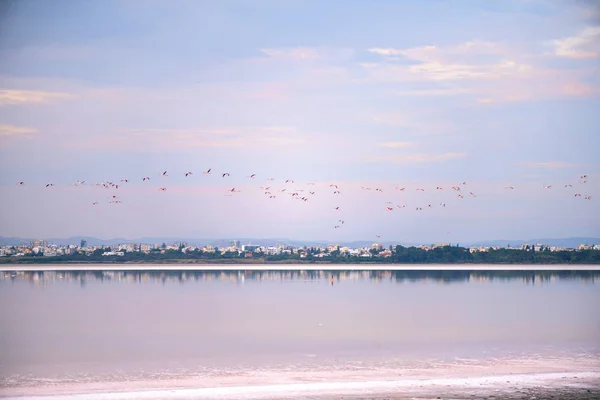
{"points": [[360, 94]]}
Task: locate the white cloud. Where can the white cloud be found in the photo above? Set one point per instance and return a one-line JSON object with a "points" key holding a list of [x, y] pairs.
{"points": [[487, 72], [396, 145], [419, 158], [392, 119], [450, 63], [12, 130], [550, 164], [11, 96], [584, 45], [181, 139], [308, 53]]}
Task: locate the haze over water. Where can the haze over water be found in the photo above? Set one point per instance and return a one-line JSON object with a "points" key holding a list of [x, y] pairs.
{"points": [[62, 330]]}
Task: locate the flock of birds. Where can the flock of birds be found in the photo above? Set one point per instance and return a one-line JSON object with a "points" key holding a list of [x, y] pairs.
{"points": [[460, 190]]}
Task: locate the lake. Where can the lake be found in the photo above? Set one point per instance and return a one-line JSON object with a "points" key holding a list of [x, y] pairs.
{"points": [[240, 333]]}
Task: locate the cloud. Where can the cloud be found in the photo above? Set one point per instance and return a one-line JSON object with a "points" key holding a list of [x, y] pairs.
{"points": [[11, 97], [419, 158], [396, 145], [293, 53], [434, 92], [308, 53], [415, 123], [584, 45], [392, 119], [451, 63], [487, 72], [12, 130], [182, 139], [550, 164]]}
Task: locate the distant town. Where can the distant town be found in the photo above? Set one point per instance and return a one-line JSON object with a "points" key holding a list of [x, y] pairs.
{"points": [[41, 251]]}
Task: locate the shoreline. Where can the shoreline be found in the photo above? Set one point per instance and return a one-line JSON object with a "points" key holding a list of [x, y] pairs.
{"points": [[258, 261], [20, 267], [564, 385]]}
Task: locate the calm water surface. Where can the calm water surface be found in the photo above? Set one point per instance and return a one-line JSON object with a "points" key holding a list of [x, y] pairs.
{"points": [[55, 324]]}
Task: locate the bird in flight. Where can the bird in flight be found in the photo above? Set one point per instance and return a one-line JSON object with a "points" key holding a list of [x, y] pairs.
{"points": [[21, 183], [162, 189], [225, 174], [49, 184], [207, 172], [164, 173], [146, 178], [187, 174]]}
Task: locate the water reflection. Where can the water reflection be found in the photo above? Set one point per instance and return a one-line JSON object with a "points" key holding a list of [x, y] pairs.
{"points": [[332, 277]]}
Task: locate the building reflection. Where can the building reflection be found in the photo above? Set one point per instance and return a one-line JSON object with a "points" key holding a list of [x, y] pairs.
{"points": [[324, 276]]}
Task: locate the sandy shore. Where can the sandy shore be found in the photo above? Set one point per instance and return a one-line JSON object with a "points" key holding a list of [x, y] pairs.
{"points": [[566, 393], [510, 380]]}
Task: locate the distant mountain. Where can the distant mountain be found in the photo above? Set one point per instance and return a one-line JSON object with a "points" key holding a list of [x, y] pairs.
{"points": [[13, 241], [565, 242], [92, 241]]}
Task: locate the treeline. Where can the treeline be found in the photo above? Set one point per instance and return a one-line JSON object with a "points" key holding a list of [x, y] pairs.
{"points": [[399, 255]]}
